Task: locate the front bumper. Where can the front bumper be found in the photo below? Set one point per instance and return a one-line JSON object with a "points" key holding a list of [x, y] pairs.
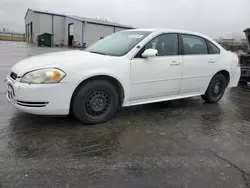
{"points": [[42, 99]]}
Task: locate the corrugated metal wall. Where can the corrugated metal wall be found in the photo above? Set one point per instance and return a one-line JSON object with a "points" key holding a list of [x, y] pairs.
{"points": [[77, 31], [58, 26], [59, 30], [45, 22], [93, 32], [34, 19]]}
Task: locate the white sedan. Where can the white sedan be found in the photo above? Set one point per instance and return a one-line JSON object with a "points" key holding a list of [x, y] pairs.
{"points": [[127, 68]]}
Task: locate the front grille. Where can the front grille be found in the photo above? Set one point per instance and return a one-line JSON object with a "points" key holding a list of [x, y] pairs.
{"points": [[32, 104], [13, 75]]}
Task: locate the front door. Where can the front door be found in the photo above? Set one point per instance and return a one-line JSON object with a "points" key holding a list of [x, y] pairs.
{"points": [[159, 76]]}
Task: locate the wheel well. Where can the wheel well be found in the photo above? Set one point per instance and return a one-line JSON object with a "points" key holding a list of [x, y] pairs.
{"points": [[110, 79], [226, 74]]}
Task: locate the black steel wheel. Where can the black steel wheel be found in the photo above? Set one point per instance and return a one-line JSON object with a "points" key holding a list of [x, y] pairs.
{"points": [[216, 89], [95, 102], [98, 103]]}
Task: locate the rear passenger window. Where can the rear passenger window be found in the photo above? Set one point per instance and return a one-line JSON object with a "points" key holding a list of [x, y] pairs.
{"points": [[212, 48], [194, 45]]}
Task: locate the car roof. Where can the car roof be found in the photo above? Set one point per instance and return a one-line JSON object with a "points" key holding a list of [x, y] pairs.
{"points": [[173, 31], [166, 30]]}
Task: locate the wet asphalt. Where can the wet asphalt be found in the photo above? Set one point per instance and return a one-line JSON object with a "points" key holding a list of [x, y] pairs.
{"points": [[181, 143]]}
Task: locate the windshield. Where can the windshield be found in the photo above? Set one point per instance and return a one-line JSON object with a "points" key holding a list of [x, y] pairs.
{"points": [[118, 44]]}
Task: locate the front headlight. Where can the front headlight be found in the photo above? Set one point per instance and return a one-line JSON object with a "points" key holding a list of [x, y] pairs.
{"points": [[43, 76]]}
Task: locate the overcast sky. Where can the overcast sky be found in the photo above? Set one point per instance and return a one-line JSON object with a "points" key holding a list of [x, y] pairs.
{"points": [[227, 18]]}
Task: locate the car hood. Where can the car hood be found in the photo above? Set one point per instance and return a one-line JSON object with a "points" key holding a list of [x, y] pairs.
{"points": [[57, 60]]}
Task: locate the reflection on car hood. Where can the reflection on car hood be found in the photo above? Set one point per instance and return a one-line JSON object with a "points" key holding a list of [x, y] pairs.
{"points": [[57, 59]]}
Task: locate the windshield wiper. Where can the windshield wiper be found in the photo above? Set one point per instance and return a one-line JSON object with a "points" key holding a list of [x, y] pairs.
{"points": [[97, 52]]}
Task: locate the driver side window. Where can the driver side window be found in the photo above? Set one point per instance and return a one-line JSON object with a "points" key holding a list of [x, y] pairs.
{"points": [[165, 44]]}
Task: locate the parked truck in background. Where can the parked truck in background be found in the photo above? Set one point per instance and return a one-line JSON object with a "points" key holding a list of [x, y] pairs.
{"points": [[245, 60]]}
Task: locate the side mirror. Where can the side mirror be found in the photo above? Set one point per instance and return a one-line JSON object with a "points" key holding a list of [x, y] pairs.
{"points": [[150, 53]]}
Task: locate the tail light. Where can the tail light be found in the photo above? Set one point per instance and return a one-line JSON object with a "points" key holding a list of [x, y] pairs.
{"points": [[238, 61]]}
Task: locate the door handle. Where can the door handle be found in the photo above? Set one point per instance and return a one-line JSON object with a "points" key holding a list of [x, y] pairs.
{"points": [[174, 63], [211, 61]]}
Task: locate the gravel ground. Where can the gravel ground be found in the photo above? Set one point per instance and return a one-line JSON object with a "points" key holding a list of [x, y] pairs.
{"points": [[181, 143]]}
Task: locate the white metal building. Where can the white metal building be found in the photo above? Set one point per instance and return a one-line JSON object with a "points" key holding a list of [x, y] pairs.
{"points": [[65, 29]]}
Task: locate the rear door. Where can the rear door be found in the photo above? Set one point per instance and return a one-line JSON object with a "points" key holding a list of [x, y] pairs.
{"points": [[198, 65], [214, 52]]}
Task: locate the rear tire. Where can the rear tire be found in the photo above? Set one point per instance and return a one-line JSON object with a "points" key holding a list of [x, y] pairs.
{"points": [[216, 89], [95, 102]]}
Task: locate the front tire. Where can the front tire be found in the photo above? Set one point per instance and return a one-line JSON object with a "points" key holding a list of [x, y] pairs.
{"points": [[216, 89], [95, 102]]}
